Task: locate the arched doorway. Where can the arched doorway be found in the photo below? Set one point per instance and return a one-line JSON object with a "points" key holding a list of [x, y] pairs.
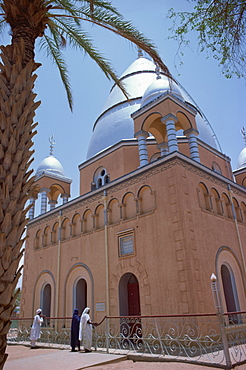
{"points": [[129, 303], [129, 298], [230, 291], [46, 300], [80, 295]]}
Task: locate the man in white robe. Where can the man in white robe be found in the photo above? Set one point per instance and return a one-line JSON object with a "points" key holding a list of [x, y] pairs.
{"points": [[85, 329], [36, 326]]}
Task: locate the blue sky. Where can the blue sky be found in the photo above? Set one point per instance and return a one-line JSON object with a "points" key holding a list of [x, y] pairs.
{"points": [[220, 99]]}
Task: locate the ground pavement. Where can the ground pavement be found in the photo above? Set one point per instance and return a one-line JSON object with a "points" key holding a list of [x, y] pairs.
{"points": [[23, 358]]}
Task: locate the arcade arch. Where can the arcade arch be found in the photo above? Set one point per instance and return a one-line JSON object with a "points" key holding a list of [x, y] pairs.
{"points": [[76, 225], [129, 298], [230, 278], [216, 202], [203, 196], [79, 281], [46, 299], [146, 200], [99, 217], [229, 288], [129, 206], [46, 236], [65, 229], [80, 294], [43, 293], [164, 128], [113, 211], [87, 221]]}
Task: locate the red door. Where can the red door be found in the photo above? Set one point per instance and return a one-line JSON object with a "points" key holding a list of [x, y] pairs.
{"points": [[133, 299], [134, 310]]}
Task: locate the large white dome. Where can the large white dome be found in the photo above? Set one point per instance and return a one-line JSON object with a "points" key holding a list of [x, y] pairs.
{"points": [[115, 123]]}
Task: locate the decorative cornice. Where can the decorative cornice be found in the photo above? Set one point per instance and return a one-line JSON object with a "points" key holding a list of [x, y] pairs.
{"points": [[139, 175], [53, 176]]}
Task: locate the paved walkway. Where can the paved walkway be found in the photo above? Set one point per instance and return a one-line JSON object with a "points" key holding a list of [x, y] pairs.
{"points": [[23, 358]]}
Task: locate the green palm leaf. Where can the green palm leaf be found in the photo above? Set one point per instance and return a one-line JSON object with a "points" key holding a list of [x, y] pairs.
{"points": [[62, 22]]}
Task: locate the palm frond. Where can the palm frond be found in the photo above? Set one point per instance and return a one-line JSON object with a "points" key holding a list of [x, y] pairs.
{"points": [[103, 5], [54, 52], [64, 20], [77, 38], [125, 29], [106, 16]]}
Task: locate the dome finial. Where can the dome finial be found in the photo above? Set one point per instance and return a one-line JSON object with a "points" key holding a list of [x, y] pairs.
{"points": [[243, 132], [52, 143], [158, 72], [140, 52]]}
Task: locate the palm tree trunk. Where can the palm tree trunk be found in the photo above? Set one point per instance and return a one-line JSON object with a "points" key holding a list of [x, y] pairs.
{"points": [[17, 110]]}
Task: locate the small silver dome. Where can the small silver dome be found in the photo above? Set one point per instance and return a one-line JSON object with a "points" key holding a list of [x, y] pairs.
{"points": [[159, 87], [50, 165], [241, 162]]}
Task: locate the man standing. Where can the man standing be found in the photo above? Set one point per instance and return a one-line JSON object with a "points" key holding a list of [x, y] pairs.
{"points": [[35, 330], [85, 329], [75, 331]]}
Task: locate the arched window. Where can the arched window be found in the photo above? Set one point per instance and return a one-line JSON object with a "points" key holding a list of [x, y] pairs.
{"points": [[226, 204], [38, 240], [129, 206], [46, 239], [216, 168], [80, 295], [101, 177], [243, 207], [76, 226], [113, 211], [216, 202], [204, 198], [54, 235], [65, 229], [87, 221], [99, 217], [237, 210], [146, 200]]}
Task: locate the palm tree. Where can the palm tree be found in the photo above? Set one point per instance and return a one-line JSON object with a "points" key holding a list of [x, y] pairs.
{"points": [[55, 23]]}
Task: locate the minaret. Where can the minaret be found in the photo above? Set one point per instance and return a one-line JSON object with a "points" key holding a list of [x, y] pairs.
{"points": [[50, 182], [240, 172]]}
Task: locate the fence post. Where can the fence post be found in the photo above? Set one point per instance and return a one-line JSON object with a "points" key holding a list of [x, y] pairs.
{"points": [[107, 335], [159, 338], [218, 306]]}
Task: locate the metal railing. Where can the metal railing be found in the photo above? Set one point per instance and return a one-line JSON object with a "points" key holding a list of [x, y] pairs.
{"points": [[55, 332], [209, 338]]}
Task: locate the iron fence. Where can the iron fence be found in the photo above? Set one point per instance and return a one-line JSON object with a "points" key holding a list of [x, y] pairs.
{"points": [[212, 338]]}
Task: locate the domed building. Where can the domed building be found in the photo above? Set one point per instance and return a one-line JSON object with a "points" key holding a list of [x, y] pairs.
{"points": [[50, 182], [143, 83], [159, 211]]}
